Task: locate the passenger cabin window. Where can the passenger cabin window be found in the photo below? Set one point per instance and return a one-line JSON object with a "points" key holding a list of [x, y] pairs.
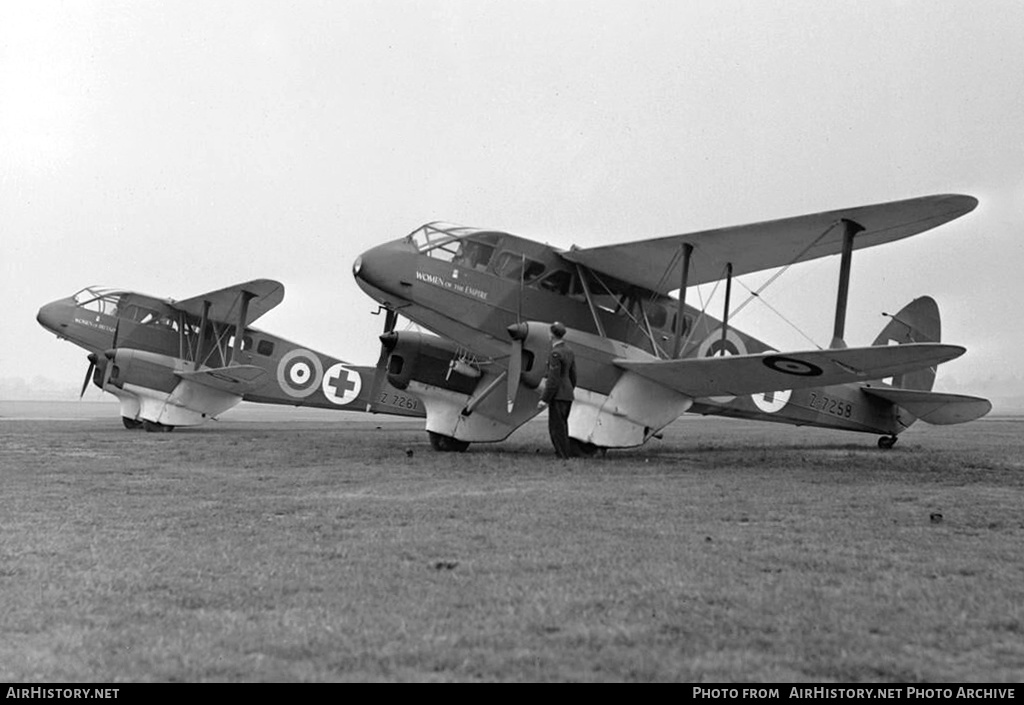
{"points": [[265, 348], [558, 282], [657, 316], [138, 313], [512, 265], [157, 321], [246, 342], [474, 255]]}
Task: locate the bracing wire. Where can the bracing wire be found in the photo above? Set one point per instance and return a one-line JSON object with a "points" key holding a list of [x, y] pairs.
{"points": [[771, 280], [779, 314]]}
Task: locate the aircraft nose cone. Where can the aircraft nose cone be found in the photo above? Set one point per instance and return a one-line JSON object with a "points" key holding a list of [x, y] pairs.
{"points": [[382, 270], [51, 316]]}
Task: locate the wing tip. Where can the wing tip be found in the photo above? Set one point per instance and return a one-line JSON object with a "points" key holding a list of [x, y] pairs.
{"points": [[963, 203]]}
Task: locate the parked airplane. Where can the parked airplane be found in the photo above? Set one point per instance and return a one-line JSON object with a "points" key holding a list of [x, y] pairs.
{"points": [[180, 363], [644, 358]]}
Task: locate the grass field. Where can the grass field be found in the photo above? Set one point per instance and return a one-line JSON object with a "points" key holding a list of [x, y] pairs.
{"points": [[277, 548]]}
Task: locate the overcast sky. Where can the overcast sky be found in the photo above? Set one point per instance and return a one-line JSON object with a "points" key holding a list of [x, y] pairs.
{"points": [[179, 147]]}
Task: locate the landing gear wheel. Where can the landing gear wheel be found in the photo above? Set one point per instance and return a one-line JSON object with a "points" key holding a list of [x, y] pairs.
{"points": [[447, 444], [585, 450], [130, 423], [154, 427], [886, 442]]}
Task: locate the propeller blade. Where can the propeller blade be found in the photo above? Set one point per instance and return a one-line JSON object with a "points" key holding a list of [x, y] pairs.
{"points": [[117, 330], [519, 296], [88, 375], [515, 370], [518, 333], [390, 319], [388, 340]]}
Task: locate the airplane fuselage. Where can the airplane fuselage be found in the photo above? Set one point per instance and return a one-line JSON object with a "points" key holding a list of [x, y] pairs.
{"points": [[474, 301], [143, 349]]}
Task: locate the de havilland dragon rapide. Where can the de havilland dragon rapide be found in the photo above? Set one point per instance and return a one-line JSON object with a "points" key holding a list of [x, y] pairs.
{"points": [[485, 300]]}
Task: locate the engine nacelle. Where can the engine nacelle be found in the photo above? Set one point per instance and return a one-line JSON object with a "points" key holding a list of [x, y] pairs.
{"points": [[149, 389], [428, 360], [613, 408], [140, 368], [464, 400]]}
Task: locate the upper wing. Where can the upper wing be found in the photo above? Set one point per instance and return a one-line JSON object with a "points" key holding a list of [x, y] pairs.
{"points": [[772, 243], [225, 304], [771, 371]]}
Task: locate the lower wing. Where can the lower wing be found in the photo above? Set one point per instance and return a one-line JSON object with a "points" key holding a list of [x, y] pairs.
{"points": [[768, 372]]}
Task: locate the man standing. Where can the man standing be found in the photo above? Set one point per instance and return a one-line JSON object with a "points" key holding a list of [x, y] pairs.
{"points": [[558, 386]]}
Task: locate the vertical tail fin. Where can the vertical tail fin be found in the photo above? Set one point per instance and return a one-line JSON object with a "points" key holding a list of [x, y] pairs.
{"points": [[917, 322], [910, 394]]}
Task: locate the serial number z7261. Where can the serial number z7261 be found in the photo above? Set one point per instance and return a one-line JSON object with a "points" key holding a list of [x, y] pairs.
{"points": [[831, 405], [399, 401]]}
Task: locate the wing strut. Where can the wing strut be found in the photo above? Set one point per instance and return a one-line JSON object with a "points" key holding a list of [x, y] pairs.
{"points": [[590, 300], [244, 297], [202, 334], [850, 229], [680, 317], [486, 392], [728, 295]]}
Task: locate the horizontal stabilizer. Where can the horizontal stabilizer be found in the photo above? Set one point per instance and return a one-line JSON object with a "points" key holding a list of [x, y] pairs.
{"points": [[772, 371], [934, 407], [237, 379]]}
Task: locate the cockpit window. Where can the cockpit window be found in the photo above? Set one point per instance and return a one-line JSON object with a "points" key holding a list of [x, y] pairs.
{"points": [[446, 250], [99, 299], [468, 247]]}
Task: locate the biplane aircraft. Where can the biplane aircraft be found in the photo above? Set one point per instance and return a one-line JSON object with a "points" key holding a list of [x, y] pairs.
{"points": [[179, 363], [644, 357]]}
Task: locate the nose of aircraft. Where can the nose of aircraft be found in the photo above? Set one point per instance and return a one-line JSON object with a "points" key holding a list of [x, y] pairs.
{"points": [[53, 316], [382, 270]]}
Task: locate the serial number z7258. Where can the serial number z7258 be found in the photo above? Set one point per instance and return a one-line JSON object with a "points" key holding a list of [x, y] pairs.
{"points": [[831, 405]]}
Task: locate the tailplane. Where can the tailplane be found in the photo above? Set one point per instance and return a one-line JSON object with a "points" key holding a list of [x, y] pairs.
{"points": [[919, 322]]}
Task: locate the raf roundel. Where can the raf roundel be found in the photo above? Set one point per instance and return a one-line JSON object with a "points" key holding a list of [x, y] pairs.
{"points": [[791, 366], [299, 373], [714, 346], [341, 384], [772, 402]]}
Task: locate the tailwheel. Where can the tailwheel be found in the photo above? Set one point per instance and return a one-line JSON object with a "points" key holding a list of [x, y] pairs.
{"points": [[130, 423], [154, 427], [886, 442], [447, 444]]}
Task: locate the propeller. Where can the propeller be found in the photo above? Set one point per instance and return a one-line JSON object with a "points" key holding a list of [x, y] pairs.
{"points": [[88, 374], [94, 359], [390, 319], [518, 333], [388, 340]]}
